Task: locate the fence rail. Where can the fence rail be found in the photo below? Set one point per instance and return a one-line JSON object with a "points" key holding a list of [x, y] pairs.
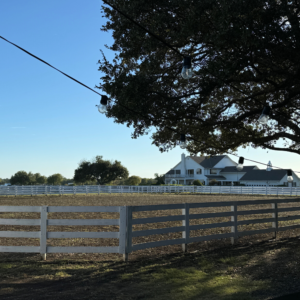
{"points": [[97, 189], [126, 223]]}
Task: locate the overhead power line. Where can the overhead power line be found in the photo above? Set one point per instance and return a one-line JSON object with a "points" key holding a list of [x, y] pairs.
{"points": [[144, 28], [49, 65], [129, 109]]}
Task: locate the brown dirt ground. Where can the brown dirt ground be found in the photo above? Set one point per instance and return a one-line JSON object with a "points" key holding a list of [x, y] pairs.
{"points": [[260, 244]]}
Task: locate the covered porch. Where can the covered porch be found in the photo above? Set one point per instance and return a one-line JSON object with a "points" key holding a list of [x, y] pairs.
{"points": [[221, 180]]}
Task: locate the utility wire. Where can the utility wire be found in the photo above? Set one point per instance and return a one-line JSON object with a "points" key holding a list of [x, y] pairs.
{"points": [[50, 65], [129, 109], [144, 28]]}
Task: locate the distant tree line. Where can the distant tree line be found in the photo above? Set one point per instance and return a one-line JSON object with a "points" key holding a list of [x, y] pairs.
{"points": [[97, 171], [24, 178]]}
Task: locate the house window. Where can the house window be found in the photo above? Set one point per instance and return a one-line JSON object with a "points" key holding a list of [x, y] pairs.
{"points": [[212, 171], [177, 171], [190, 172], [199, 171], [172, 172]]}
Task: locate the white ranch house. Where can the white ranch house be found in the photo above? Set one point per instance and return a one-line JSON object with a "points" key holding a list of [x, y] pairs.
{"points": [[223, 169]]}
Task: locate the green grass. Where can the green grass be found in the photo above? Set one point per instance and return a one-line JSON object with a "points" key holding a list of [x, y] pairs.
{"points": [[182, 278]]}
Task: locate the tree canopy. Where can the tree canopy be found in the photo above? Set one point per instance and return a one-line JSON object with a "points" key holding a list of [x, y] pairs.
{"points": [[245, 54], [55, 179], [20, 178], [133, 180], [160, 179], [100, 170]]}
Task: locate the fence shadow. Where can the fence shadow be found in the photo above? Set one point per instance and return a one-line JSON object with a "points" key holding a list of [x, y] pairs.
{"points": [[162, 276]]}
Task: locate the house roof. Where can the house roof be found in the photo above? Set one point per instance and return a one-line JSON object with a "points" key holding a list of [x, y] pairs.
{"points": [[207, 162], [264, 175], [234, 170]]}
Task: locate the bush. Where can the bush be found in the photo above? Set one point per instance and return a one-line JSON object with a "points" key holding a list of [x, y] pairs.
{"points": [[133, 180], [197, 182]]}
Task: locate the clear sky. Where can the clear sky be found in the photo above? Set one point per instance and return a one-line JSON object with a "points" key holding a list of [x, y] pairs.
{"points": [[48, 122]]}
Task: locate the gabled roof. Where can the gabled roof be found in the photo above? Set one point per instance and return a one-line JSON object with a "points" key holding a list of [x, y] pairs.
{"points": [[264, 175], [234, 170], [207, 162]]}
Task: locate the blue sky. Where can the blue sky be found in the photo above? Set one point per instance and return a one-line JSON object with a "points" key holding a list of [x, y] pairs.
{"points": [[48, 122]]}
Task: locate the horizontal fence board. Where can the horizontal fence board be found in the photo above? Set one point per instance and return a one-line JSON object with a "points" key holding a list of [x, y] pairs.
{"points": [[285, 209], [92, 235], [210, 237], [251, 232], [284, 201], [156, 231], [157, 244], [289, 218], [213, 225], [20, 234], [211, 215], [27, 222], [282, 228], [111, 249], [157, 207], [83, 209], [157, 219], [28, 249], [255, 212], [20, 209], [83, 222], [254, 221], [212, 204]]}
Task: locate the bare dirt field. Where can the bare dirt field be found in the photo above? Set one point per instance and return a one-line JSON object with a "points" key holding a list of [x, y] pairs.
{"points": [[253, 258]]}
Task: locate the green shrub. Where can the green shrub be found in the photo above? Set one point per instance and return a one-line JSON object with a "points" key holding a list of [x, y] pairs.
{"points": [[197, 182]]}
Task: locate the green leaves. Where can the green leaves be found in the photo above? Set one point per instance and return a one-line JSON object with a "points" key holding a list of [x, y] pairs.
{"points": [[100, 171], [244, 55]]}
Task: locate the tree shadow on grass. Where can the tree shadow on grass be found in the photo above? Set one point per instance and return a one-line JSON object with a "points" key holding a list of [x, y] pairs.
{"points": [[239, 272]]}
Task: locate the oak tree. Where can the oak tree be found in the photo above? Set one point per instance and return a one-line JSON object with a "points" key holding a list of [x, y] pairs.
{"points": [[245, 55], [100, 170]]}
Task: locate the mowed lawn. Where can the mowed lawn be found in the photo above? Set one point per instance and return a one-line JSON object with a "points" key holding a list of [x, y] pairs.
{"points": [[256, 267]]}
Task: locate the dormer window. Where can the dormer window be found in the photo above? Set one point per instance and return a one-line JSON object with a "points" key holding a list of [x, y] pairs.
{"points": [[199, 171], [212, 171]]}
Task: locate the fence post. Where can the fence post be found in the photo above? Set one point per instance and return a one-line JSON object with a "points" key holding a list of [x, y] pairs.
{"points": [[123, 249], [210, 189], [291, 191], [275, 216], [43, 237], [185, 223], [128, 232], [234, 227]]}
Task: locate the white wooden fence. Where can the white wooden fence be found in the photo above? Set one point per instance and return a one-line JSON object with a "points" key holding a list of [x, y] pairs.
{"points": [[97, 189], [126, 222]]}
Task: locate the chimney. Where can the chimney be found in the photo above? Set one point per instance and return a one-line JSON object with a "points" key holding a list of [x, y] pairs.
{"points": [[183, 168]]}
